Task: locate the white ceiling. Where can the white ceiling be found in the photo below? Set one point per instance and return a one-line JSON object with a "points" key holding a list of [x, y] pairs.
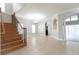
{"points": [[17, 6], [47, 9]]}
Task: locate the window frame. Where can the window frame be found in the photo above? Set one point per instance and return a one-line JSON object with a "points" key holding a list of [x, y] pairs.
{"points": [[71, 19]]}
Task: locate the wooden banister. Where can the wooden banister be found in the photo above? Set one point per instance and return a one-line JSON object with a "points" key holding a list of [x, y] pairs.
{"points": [[2, 24], [19, 23], [16, 22]]}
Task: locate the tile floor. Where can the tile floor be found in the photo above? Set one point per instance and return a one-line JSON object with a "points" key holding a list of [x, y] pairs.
{"points": [[41, 45]]}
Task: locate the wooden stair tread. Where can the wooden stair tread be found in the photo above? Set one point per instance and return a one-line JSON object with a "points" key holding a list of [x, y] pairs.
{"points": [[7, 38], [8, 24], [12, 39], [8, 45], [4, 51], [12, 47], [12, 35], [10, 42]]}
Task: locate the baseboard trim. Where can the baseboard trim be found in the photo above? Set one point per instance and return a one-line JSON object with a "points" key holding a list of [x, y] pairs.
{"points": [[57, 38]]}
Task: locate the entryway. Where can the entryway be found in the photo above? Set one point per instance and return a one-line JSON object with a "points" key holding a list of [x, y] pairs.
{"points": [[72, 28]]}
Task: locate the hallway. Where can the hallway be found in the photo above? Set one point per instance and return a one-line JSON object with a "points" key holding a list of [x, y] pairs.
{"points": [[32, 21], [41, 45]]}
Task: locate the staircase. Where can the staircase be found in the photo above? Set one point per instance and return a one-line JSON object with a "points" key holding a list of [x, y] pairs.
{"points": [[11, 39]]}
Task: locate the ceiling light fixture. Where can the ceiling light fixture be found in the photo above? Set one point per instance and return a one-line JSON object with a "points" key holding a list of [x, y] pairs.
{"points": [[35, 16]]}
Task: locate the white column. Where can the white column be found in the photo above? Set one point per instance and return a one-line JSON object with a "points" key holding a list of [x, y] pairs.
{"points": [[36, 28]]}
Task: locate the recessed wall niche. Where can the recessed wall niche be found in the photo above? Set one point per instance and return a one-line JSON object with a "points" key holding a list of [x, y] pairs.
{"points": [[55, 24]]}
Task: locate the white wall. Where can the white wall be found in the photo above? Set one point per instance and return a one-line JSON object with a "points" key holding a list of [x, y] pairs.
{"points": [[41, 28], [36, 28], [8, 8], [52, 32], [62, 18], [60, 33], [27, 24], [6, 18]]}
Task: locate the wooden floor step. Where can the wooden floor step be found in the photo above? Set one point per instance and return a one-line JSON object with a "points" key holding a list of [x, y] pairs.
{"points": [[7, 40], [12, 35], [11, 40], [10, 44], [6, 29], [10, 32], [9, 24], [4, 51], [10, 28]]}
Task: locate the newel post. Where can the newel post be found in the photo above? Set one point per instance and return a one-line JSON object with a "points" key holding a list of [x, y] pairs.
{"points": [[25, 36]]}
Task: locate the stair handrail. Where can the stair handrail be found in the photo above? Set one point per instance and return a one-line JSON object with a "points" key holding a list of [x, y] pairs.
{"points": [[19, 23], [24, 29], [2, 23]]}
